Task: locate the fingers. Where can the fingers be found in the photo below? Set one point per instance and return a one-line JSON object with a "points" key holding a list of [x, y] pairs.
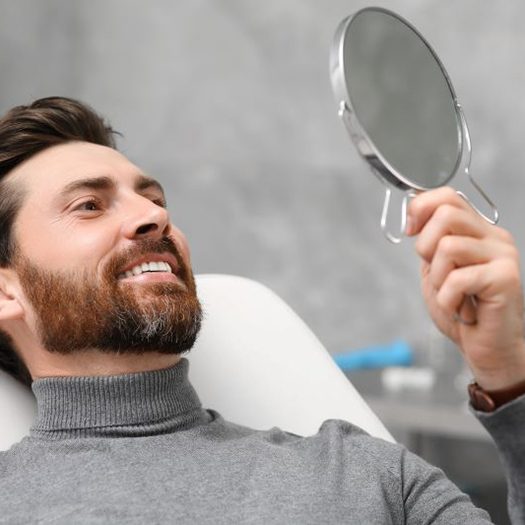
{"points": [[437, 214], [456, 251], [478, 280], [448, 220], [463, 255], [423, 206]]}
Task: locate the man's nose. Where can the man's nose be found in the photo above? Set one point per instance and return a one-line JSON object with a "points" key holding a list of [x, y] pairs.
{"points": [[146, 219]]}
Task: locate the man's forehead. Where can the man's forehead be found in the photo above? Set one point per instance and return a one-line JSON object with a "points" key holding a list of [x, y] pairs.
{"points": [[60, 166]]}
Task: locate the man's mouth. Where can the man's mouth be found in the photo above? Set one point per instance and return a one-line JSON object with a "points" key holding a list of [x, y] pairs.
{"points": [[152, 267], [147, 267]]}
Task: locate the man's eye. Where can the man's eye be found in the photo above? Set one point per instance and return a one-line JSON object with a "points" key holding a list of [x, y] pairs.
{"points": [[159, 202], [91, 205]]}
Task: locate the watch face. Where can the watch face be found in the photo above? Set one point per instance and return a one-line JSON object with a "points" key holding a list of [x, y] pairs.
{"points": [[479, 399]]}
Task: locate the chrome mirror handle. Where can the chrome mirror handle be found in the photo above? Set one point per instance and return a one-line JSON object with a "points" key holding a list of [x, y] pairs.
{"points": [[494, 217], [398, 237]]}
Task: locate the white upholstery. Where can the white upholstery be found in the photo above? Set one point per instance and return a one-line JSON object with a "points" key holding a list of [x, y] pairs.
{"points": [[258, 364], [17, 410], [255, 361]]}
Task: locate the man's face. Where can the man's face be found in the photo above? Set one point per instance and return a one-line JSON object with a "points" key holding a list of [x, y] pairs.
{"points": [[98, 259]]}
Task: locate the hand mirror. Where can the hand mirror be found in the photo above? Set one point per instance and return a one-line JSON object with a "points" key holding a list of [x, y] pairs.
{"points": [[400, 109]]}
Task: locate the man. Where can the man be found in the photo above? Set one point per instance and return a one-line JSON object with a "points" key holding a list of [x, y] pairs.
{"points": [[97, 303]]}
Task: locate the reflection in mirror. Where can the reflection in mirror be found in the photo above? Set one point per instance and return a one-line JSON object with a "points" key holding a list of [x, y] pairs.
{"points": [[402, 98]]}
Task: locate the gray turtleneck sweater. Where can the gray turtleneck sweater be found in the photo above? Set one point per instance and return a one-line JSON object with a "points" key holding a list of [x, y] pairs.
{"points": [[139, 448]]}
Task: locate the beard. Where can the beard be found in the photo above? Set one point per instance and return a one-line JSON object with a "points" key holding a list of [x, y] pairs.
{"points": [[77, 312]]}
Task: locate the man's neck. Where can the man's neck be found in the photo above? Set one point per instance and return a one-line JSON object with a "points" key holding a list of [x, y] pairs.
{"points": [[97, 363]]}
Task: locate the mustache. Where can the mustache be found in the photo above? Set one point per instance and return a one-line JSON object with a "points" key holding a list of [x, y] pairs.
{"points": [[143, 247]]}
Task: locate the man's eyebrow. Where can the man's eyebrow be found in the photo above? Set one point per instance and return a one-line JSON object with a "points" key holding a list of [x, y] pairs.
{"points": [[106, 183], [144, 183], [90, 183]]}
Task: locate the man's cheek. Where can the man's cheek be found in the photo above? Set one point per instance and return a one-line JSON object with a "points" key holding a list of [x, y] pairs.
{"points": [[181, 242]]}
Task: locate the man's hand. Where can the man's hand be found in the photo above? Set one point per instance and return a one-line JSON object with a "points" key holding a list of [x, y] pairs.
{"points": [[471, 285]]}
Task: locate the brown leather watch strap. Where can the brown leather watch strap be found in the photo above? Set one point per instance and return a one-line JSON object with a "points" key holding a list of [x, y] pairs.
{"points": [[488, 401]]}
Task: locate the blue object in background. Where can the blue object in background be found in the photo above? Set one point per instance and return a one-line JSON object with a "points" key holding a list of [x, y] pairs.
{"points": [[398, 353]]}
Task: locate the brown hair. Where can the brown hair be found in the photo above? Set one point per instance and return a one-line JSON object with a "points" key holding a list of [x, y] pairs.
{"points": [[24, 132]]}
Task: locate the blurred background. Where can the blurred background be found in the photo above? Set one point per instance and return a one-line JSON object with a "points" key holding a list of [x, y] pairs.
{"points": [[229, 104]]}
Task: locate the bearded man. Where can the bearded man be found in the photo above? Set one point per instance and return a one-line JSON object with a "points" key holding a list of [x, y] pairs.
{"points": [[98, 302]]}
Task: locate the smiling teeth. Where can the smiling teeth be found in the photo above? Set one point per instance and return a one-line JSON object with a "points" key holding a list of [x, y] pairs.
{"points": [[147, 267]]}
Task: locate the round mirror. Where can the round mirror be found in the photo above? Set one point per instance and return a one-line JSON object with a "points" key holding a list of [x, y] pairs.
{"points": [[402, 98], [398, 104]]}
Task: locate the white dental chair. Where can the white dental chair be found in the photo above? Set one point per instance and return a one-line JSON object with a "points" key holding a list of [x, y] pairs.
{"points": [[255, 362]]}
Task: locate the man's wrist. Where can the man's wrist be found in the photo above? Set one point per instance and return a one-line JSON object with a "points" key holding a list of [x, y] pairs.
{"points": [[489, 400], [506, 369]]}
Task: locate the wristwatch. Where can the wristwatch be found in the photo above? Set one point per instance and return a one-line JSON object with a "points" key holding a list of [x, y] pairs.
{"points": [[488, 401]]}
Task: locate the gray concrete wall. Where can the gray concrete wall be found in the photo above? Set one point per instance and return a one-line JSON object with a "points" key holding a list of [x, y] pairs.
{"points": [[229, 104]]}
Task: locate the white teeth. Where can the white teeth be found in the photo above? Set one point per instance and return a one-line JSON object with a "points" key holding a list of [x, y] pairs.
{"points": [[153, 266]]}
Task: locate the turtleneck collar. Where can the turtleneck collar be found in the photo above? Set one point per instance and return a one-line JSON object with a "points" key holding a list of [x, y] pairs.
{"points": [[139, 404]]}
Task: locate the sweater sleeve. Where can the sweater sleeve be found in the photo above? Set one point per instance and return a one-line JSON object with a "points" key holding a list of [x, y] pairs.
{"points": [[429, 497], [506, 425]]}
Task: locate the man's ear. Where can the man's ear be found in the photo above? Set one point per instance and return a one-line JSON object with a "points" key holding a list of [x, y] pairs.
{"points": [[11, 307]]}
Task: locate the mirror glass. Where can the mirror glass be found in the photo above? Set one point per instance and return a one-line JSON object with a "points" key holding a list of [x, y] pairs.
{"points": [[402, 98]]}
